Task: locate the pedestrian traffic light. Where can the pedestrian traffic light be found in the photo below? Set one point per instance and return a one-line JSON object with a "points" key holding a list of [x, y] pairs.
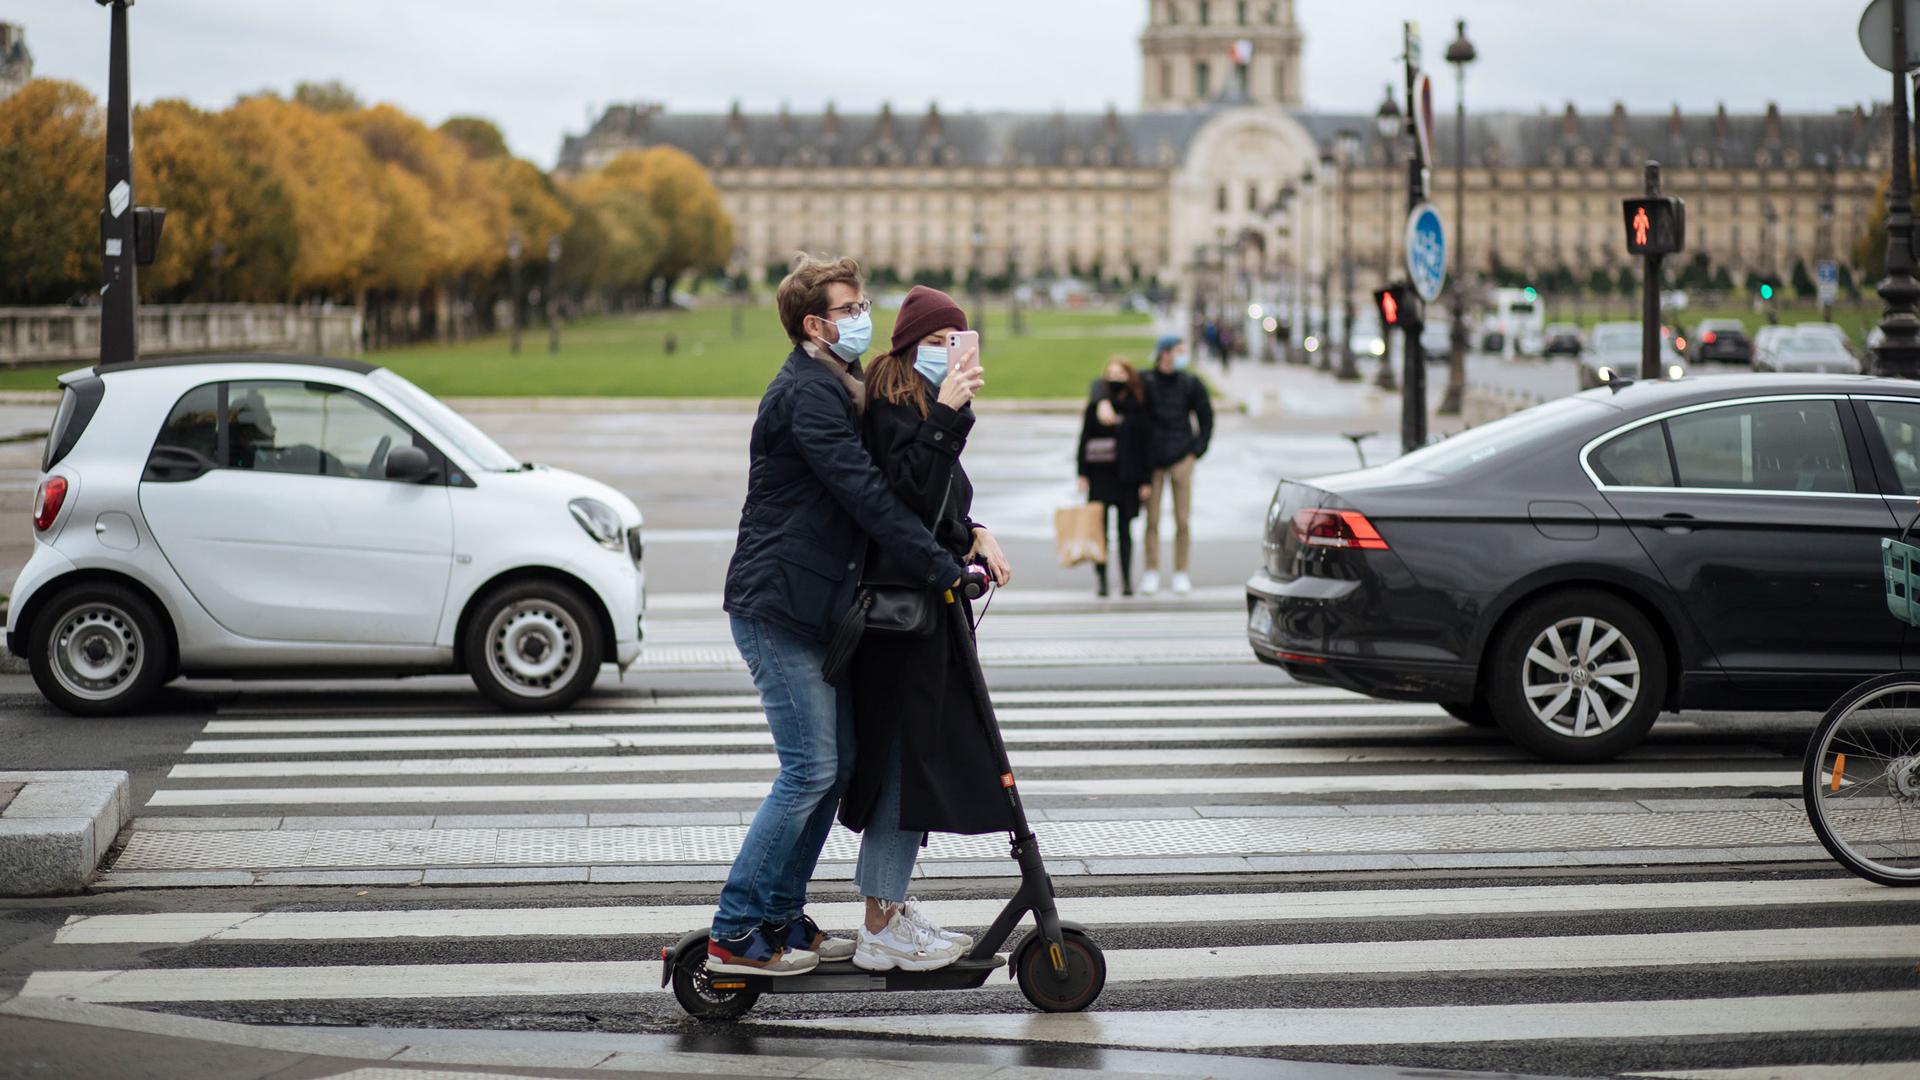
{"points": [[1392, 303], [1766, 290], [1656, 224]]}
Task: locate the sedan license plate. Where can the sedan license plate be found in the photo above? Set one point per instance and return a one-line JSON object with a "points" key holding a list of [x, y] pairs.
{"points": [[1260, 623]]}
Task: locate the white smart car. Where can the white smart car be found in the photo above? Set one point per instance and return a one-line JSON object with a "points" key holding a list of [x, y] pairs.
{"points": [[260, 515]]}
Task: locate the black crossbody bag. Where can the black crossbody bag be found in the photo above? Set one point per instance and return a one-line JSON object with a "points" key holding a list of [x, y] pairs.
{"points": [[881, 607]]}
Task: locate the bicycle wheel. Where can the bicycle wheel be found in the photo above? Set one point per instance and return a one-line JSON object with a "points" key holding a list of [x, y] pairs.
{"points": [[1861, 780]]}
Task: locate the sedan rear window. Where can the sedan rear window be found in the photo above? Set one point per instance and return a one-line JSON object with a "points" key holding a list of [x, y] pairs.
{"points": [[1636, 459], [1499, 438], [1763, 446]]}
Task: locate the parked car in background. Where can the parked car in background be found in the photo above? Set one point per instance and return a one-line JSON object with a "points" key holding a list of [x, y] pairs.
{"points": [[1833, 330], [1615, 346], [1562, 339], [252, 515], [1815, 351], [1574, 570], [1765, 340], [1720, 341]]}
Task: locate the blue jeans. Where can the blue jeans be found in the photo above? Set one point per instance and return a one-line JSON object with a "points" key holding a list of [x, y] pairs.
{"points": [[887, 851], [812, 725]]}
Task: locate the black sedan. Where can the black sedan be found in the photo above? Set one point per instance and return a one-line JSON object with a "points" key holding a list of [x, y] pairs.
{"points": [[1721, 341], [1573, 570]]}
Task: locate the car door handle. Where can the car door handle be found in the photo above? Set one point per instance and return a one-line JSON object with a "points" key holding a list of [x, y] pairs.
{"points": [[1677, 523]]}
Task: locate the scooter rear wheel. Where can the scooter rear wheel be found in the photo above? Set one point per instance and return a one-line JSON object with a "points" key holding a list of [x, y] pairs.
{"points": [[693, 988], [1085, 976]]}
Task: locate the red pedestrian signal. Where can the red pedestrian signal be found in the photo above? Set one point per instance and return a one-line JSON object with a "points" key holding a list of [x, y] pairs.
{"points": [[1389, 308], [1656, 225], [1389, 302]]}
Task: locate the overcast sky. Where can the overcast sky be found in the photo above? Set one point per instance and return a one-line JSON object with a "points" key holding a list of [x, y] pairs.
{"points": [[540, 69]]}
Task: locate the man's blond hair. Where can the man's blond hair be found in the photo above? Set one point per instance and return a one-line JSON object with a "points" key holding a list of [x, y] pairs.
{"points": [[803, 291]]}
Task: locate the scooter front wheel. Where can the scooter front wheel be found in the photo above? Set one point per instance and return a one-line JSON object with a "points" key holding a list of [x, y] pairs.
{"points": [[1068, 991], [694, 987]]}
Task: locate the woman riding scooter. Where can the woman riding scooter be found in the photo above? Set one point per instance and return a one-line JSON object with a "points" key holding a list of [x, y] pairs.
{"points": [[923, 761]]}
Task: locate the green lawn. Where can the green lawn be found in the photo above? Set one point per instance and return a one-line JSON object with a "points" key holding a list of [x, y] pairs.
{"points": [[626, 356]]}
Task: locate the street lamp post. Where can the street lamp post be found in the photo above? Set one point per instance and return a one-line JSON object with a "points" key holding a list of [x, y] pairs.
{"points": [[1389, 123], [120, 297], [546, 297], [1899, 351], [1303, 294], [513, 290], [1460, 53], [1347, 143], [1326, 271]]}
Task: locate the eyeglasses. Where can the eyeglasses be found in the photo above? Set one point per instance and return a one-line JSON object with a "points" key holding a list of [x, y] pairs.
{"points": [[856, 308]]}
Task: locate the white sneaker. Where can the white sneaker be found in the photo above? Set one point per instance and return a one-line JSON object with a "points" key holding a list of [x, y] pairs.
{"points": [[918, 917], [903, 945], [1149, 583], [1181, 585]]}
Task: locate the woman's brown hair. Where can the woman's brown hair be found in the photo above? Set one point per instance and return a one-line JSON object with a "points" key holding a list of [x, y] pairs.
{"points": [[891, 377], [1134, 388]]}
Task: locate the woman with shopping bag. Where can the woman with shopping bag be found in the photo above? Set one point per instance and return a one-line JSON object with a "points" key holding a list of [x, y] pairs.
{"points": [[1115, 462]]}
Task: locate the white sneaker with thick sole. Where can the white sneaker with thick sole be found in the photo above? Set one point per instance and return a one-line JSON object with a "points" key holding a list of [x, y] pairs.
{"points": [[918, 917], [902, 946], [1149, 583], [1182, 585]]}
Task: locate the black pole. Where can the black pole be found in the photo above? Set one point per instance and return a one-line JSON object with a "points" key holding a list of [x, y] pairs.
{"points": [[1650, 296], [1457, 339], [119, 299], [1899, 353], [1348, 372], [552, 290]]}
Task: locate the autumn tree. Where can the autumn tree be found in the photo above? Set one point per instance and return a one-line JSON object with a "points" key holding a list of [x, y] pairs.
{"points": [[213, 196], [330, 181], [480, 136], [50, 192]]}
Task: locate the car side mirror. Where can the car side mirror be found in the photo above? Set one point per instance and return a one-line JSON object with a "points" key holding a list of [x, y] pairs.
{"points": [[409, 465]]}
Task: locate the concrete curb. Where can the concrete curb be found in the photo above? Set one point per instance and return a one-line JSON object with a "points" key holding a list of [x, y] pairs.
{"points": [[58, 827], [589, 1054]]}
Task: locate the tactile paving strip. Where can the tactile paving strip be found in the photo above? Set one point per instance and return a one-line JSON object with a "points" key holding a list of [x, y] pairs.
{"points": [[260, 849]]}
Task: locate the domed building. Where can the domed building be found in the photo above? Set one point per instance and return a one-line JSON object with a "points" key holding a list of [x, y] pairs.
{"points": [[1221, 169]]}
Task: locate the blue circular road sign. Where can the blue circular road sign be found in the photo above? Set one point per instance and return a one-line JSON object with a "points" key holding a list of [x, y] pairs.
{"points": [[1426, 251]]}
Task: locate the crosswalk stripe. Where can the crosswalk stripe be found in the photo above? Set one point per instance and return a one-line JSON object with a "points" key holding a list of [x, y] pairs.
{"points": [[757, 735], [1017, 715], [1219, 1029], [1887, 1070], [1178, 909], [707, 761], [1069, 696], [1344, 783], [1585, 952]]}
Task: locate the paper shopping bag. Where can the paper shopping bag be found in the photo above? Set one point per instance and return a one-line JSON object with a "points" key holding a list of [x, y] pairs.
{"points": [[1080, 533]]}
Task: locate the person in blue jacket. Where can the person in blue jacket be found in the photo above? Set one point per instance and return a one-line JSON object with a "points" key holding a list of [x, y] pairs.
{"points": [[814, 501]]}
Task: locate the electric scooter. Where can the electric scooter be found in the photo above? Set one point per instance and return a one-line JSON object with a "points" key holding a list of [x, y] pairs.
{"points": [[1058, 966]]}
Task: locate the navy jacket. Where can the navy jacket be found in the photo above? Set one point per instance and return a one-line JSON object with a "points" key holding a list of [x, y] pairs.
{"points": [[814, 500]]}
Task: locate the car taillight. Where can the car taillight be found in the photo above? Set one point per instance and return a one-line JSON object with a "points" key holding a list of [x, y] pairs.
{"points": [[47, 500], [1708, 338], [1318, 527]]}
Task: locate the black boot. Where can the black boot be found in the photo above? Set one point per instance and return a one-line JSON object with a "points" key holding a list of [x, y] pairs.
{"points": [[1100, 576]]}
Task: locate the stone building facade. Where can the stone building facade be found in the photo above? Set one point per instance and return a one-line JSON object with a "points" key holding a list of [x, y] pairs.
{"points": [[16, 63], [1194, 179]]}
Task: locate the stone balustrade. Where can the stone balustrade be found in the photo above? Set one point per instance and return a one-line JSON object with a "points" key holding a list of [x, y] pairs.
{"points": [[46, 335]]}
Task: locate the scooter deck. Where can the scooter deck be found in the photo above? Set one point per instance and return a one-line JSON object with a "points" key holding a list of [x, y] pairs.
{"points": [[840, 977]]}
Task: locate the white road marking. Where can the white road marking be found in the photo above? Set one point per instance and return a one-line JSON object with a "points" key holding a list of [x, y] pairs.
{"points": [[707, 761], [756, 735], [1069, 696], [1212, 787], [1592, 952], [1183, 909], [1018, 715], [1886, 1070], [1214, 1029]]}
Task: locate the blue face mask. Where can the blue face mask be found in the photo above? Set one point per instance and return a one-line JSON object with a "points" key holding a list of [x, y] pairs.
{"points": [[855, 335], [931, 361], [1182, 360]]}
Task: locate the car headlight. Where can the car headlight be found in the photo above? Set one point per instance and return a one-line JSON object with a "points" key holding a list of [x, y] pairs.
{"points": [[600, 522]]}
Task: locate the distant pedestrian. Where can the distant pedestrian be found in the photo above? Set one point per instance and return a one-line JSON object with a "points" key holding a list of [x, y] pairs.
{"points": [[1116, 465], [671, 344], [1182, 416]]}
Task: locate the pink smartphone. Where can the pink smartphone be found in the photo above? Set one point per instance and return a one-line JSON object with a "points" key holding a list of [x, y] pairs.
{"points": [[962, 341]]}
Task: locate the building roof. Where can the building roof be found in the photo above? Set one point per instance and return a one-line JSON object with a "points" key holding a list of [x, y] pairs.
{"points": [[1160, 139]]}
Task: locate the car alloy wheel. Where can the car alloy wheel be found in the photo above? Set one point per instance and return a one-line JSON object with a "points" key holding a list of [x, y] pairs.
{"points": [[533, 647], [96, 651], [1581, 676]]}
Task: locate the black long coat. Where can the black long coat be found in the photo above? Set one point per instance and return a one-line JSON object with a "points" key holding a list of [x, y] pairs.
{"points": [[915, 692], [1117, 482]]}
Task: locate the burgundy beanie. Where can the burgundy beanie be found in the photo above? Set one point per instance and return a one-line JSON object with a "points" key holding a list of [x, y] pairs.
{"points": [[921, 313]]}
